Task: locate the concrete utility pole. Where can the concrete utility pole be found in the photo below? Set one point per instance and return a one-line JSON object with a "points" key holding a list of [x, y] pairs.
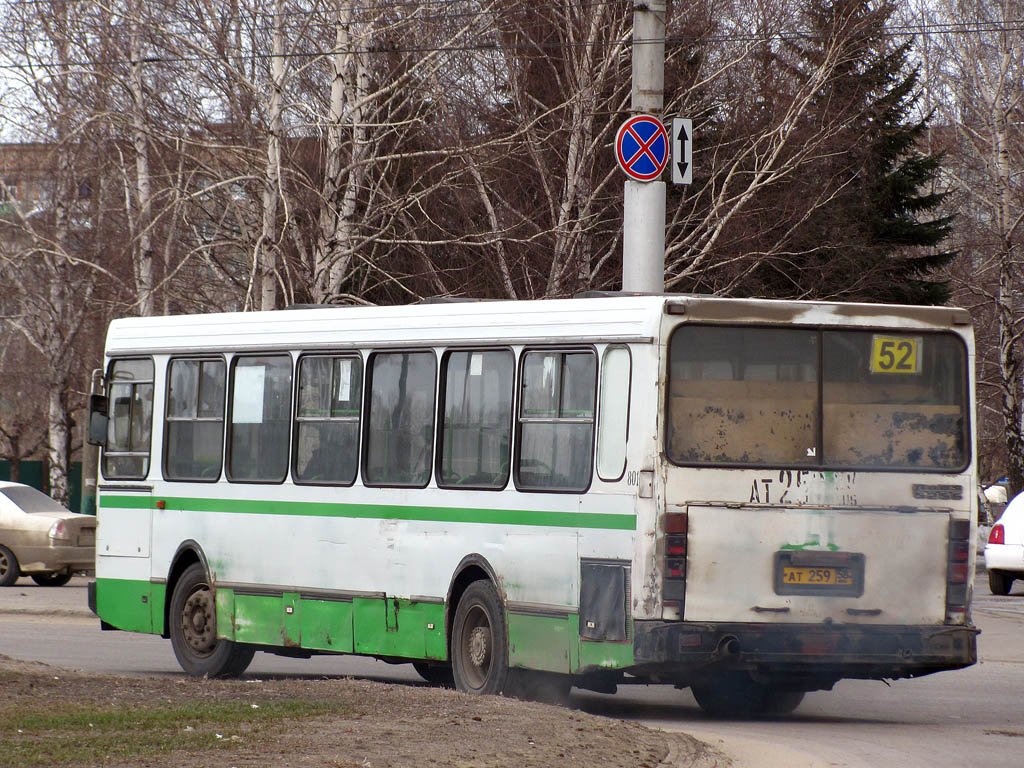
{"points": [[643, 237]]}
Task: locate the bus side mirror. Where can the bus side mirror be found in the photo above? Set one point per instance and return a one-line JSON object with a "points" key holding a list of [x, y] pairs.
{"points": [[97, 420]]}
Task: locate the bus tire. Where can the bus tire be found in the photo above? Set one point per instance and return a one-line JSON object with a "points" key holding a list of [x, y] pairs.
{"points": [[780, 701], [545, 687], [480, 641], [193, 629], [999, 582], [435, 674], [734, 693], [9, 568]]}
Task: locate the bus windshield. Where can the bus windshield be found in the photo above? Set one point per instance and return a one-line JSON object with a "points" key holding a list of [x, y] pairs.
{"points": [[817, 398]]}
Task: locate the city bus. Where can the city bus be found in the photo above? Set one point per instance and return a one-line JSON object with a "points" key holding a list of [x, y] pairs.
{"points": [[750, 498]]}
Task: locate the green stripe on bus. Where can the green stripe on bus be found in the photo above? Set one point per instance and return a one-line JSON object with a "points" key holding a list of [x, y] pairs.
{"points": [[618, 522]]}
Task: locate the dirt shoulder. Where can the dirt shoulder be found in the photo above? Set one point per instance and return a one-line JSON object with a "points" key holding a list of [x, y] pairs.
{"points": [[50, 716]]}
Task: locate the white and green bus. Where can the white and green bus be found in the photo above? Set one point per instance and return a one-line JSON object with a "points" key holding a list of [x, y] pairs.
{"points": [[751, 498]]}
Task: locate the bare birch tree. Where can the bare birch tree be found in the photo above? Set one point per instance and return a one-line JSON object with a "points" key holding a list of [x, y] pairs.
{"points": [[977, 91], [50, 261], [142, 260], [543, 174]]}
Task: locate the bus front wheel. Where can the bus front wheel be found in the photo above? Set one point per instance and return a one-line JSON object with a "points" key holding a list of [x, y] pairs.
{"points": [[193, 629], [480, 641]]}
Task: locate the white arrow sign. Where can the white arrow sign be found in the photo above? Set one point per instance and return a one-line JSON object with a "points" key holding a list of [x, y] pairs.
{"points": [[682, 150]]}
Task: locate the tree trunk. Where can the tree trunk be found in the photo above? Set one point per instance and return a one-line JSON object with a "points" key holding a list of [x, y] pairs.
{"points": [[1011, 379], [64, 194], [57, 446], [143, 250], [357, 89], [330, 248], [272, 176]]}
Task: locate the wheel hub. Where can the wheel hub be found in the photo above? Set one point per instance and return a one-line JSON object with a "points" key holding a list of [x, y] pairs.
{"points": [[479, 646], [198, 622]]}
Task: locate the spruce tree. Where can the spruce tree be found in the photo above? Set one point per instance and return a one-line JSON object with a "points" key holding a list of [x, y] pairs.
{"points": [[878, 237]]}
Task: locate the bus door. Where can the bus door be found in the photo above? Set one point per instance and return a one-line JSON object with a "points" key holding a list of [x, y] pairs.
{"points": [[124, 504]]}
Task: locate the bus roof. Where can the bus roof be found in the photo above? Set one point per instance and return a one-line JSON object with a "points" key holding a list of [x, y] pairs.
{"points": [[606, 318]]}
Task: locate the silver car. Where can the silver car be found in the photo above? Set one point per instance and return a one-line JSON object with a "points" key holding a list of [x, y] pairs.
{"points": [[41, 538]]}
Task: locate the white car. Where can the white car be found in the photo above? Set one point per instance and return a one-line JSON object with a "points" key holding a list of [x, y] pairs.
{"points": [[1004, 552]]}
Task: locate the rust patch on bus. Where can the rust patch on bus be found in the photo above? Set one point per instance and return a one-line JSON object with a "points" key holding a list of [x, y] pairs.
{"points": [[940, 316], [737, 310]]}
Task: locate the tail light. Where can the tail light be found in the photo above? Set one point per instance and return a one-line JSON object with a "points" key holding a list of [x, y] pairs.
{"points": [[997, 535], [676, 526], [956, 573], [59, 530]]}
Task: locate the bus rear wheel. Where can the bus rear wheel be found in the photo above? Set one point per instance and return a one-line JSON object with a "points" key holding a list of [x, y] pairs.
{"points": [[480, 641], [193, 629], [780, 701], [734, 693]]}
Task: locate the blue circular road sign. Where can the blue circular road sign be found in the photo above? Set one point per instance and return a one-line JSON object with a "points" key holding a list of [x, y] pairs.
{"points": [[641, 147]]}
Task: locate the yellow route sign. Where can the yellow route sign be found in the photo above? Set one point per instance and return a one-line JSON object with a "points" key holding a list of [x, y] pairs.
{"points": [[895, 354]]}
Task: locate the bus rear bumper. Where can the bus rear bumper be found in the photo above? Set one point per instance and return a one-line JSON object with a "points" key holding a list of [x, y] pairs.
{"points": [[802, 655]]}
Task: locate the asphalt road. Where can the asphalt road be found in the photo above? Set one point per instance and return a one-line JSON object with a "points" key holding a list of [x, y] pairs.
{"points": [[968, 717], [55, 626]]}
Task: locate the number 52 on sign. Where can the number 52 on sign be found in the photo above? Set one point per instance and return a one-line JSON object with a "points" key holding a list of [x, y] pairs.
{"points": [[895, 354]]}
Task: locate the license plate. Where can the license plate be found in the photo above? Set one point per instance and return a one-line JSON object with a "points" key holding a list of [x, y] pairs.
{"points": [[822, 577], [812, 572]]}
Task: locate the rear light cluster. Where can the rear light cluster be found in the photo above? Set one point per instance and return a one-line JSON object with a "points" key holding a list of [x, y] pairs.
{"points": [[957, 575], [674, 583], [59, 530], [997, 535]]}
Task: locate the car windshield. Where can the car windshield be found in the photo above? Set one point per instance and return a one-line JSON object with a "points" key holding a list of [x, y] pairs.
{"points": [[30, 500]]}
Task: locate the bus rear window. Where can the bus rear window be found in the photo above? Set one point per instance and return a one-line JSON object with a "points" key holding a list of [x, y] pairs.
{"points": [[767, 397], [894, 400], [743, 396]]}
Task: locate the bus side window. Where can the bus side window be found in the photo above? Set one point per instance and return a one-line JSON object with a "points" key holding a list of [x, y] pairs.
{"points": [[195, 420], [327, 420], [261, 389], [399, 433], [556, 420], [475, 443], [613, 414], [130, 424]]}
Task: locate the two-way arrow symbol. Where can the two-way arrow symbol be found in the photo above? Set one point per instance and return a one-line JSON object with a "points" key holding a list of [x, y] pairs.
{"points": [[682, 137], [682, 150]]}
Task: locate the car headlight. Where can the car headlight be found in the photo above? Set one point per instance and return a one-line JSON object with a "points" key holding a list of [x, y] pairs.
{"points": [[59, 530]]}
